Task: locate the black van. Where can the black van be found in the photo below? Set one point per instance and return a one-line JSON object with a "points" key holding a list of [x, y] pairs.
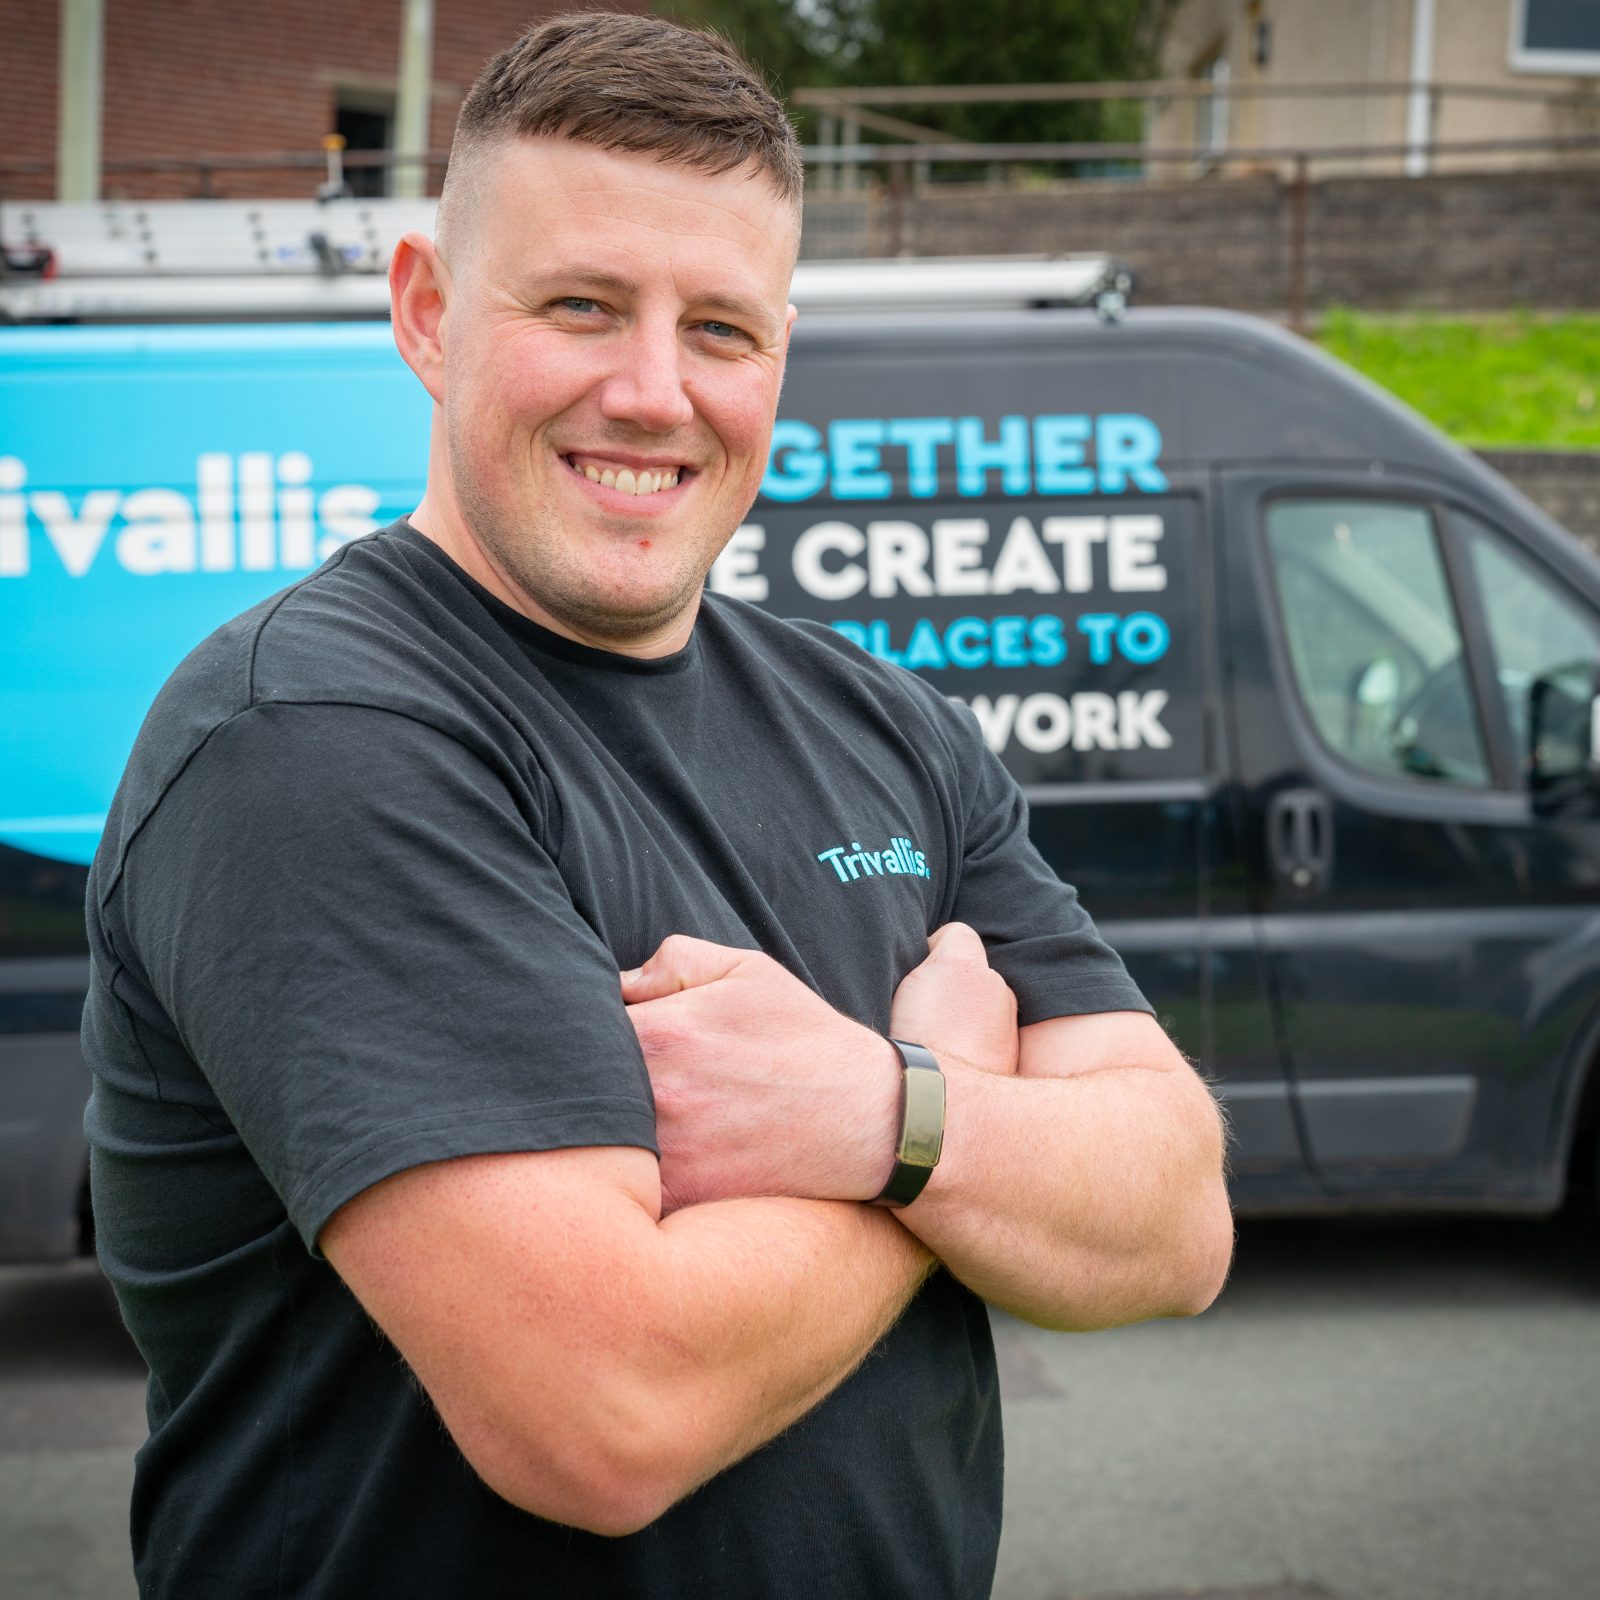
{"points": [[1301, 694], [1302, 697]]}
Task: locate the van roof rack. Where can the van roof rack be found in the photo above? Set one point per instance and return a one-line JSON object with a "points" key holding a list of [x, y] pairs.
{"points": [[210, 260]]}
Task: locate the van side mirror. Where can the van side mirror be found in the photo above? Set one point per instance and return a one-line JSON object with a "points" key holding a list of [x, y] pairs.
{"points": [[1564, 732]]}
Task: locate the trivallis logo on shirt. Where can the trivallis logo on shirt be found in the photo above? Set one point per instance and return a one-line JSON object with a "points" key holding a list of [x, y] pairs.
{"points": [[900, 857]]}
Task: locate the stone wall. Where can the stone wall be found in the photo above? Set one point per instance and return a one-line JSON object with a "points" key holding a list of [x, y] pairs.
{"points": [[1484, 241], [1565, 483]]}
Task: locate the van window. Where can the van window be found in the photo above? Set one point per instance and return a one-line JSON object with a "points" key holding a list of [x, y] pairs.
{"points": [[1545, 648], [1374, 639]]}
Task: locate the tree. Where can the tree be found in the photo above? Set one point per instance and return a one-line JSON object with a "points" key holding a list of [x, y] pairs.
{"points": [[860, 43]]}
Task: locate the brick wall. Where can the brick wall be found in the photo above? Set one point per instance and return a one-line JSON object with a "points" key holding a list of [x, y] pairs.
{"points": [[185, 78], [29, 57], [1475, 241]]}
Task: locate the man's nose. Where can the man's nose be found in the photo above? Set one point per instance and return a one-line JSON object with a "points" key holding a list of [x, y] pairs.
{"points": [[646, 388]]}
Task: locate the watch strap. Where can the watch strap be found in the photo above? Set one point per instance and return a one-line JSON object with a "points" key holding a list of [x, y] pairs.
{"points": [[921, 1125]]}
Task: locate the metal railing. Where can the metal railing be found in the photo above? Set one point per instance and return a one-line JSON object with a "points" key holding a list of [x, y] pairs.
{"points": [[842, 113], [839, 151]]}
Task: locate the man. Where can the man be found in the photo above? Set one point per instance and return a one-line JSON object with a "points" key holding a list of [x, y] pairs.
{"points": [[463, 1266]]}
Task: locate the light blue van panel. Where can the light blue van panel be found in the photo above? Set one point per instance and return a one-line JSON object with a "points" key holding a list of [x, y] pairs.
{"points": [[155, 482]]}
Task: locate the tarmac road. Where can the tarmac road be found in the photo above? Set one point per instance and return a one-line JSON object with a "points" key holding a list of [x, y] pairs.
{"points": [[1372, 1411]]}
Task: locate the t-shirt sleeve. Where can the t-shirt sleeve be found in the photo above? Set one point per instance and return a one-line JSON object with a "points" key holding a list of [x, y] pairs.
{"points": [[1038, 935], [352, 924]]}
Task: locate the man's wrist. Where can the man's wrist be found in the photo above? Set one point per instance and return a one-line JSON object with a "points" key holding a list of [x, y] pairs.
{"points": [[875, 1124]]}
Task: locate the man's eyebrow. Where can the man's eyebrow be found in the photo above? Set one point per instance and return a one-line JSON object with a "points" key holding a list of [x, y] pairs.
{"points": [[588, 278], [736, 306]]}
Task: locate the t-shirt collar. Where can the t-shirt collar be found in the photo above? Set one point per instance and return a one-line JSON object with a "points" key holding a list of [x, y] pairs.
{"points": [[541, 641]]}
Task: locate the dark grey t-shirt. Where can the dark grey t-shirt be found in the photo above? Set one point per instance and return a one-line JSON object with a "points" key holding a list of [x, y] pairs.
{"points": [[379, 853]]}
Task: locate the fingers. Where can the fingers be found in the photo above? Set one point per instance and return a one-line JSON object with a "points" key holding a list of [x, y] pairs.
{"points": [[957, 1004], [679, 963], [955, 941]]}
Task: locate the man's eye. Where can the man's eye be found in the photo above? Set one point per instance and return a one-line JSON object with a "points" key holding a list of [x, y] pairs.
{"points": [[579, 303], [723, 330]]}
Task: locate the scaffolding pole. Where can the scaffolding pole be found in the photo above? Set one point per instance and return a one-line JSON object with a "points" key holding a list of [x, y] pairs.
{"points": [[409, 179], [82, 74]]}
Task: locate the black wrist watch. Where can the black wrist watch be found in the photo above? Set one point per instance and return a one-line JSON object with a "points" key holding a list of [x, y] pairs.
{"points": [[921, 1125]]}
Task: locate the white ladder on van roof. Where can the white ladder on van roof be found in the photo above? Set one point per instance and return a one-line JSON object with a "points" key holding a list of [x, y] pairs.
{"points": [[209, 259]]}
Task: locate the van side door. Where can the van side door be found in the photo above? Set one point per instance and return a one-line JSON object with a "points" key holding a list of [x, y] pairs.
{"points": [[1390, 834]]}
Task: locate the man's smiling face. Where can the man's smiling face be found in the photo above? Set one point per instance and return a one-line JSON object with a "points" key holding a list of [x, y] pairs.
{"points": [[613, 335]]}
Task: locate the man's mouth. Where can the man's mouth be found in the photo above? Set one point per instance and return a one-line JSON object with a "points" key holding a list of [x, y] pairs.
{"points": [[628, 478]]}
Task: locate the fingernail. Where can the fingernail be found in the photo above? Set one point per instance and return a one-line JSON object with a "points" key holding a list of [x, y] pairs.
{"points": [[632, 975]]}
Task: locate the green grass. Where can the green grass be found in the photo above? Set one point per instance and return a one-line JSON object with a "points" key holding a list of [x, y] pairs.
{"points": [[1510, 381]]}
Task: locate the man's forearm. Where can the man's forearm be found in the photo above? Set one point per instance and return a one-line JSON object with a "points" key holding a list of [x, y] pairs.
{"points": [[776, 1301], [1080, 1202], [595, 1363], [1082, 1190], [740, 1317]]}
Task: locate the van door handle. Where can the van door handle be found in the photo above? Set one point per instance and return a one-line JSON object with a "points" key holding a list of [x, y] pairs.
{"points": [[1300, 838]]}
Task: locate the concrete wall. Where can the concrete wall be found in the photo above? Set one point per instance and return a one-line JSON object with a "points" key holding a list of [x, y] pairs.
{"points": [[187, 78]]}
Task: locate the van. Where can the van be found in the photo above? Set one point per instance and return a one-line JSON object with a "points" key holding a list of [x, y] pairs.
{"points": [[1301, 695]]}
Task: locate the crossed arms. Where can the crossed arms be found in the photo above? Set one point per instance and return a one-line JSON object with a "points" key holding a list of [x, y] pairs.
{"points": [[601, 1332]]}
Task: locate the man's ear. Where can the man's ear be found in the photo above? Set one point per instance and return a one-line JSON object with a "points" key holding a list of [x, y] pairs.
{"points": [[418, 286], [783, 349]]}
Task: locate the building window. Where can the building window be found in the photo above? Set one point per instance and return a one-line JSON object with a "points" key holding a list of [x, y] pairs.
{"points": [[367, 123], [1211, 111], [1561, 36]]}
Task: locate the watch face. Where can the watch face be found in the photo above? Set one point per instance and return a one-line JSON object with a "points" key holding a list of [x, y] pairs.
{"points": [[922, 1131]]}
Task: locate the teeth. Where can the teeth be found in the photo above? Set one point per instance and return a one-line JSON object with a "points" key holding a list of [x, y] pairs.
{"points": [[630, 480]]}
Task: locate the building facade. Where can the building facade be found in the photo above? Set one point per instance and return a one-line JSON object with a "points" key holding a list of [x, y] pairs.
{"points": [[1537, 60]]}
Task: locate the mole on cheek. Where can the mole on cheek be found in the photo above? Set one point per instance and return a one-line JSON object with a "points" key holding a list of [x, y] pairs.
{"points": [[644, 544]]}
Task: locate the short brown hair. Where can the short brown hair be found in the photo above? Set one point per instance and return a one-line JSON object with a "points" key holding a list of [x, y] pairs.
{"points": [[640, 84]]}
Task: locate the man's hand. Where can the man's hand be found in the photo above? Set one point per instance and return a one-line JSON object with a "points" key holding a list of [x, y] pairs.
{"points": [[761, 1087], [1082, 1189], [957, 1006]]}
